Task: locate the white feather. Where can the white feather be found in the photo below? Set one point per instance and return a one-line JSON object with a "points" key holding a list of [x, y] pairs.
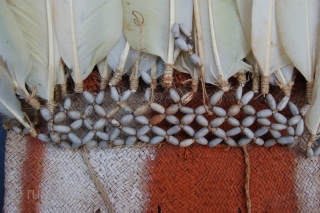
{"points": [[224, 42], [13, 49], [299, 24], [10, 106], [283, 75], [266, 45], [156, 27], [312, 119], [86, 32], [36, 21]]}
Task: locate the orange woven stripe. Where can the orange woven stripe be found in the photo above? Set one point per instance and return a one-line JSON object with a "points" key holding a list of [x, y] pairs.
{"points": [[203, 179], [32, 171]]}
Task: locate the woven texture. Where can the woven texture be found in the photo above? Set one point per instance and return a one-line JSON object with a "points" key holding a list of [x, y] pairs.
{"points": [[44, 178]]}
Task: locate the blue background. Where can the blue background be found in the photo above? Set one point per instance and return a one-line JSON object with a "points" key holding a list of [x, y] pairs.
{"points": [[2, 151]]}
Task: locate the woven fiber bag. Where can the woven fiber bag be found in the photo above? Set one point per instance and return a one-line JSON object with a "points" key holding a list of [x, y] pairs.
{"points": [[41, 177]]}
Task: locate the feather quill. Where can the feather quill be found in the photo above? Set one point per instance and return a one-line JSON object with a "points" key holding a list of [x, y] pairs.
{"points": [[36, 21], [265, 41], [83, 38], [313, 117], [10, 106], [223, 40], [299, 27], [15, 53], [156, 35]]}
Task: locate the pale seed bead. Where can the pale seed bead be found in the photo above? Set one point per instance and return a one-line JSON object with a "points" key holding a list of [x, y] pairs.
{"points": [[239, 93], [233, 110], [143, 109], [293, 108], [173, 140], [300, 128], [88, 137], [118, 142], [230, 142], [286, 140], [215, 142], [59, 117], [201, 120], [189, 130], [283, 103], [201, 133], [172, 119], [186, 110], [75, 115], [174, 95], [142, 119], [248, 110], [187, 119], [157, 119], [264, 113], [173, 130], [131, 140], [61, 128], [279, 118], [144, 138], [44, 138], [157, 107], [217, 122], [172, 109], [270, 142], [278, 127], [233, 132], [46, 114], [233, 121], [186, 142], [91, 144], [103, 144], [114, 94], [67, 104], [244, 141], [216, 97], [202, 141], [100, 98], [219, 111], [88, 97], [156, 139], [294, 120], [271, 102], [247, 97]]}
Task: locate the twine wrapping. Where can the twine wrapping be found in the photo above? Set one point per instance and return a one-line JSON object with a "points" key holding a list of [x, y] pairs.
{"points": [[224, 84], [64, 90], [286, 88], [247, 186], [134, 83], [32, 99], [104, 83], [255, 82], [78, 87], [311, 140], [37, 117], [241, 78], [96, 180], [32, 130], [309, 92], [194, 85], [51, 106], [116, 78], [167, 76], [265, 84]]}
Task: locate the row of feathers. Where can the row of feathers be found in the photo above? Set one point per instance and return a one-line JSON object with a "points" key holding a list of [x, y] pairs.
{"points": [[37, 38]]}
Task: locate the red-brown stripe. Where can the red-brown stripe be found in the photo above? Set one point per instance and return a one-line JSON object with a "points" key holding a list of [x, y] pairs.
{"points": [[32, 171], [213, 180]]}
